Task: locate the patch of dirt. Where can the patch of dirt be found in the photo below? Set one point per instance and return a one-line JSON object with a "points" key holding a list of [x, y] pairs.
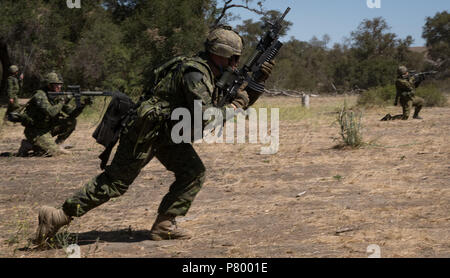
{"points": [[308, 200]]}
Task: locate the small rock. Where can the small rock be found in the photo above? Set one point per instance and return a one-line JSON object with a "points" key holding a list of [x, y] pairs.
{"points": [[300, 194]]}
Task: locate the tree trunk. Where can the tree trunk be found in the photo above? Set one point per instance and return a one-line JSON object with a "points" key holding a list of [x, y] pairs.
{"points": [[6, 62]]}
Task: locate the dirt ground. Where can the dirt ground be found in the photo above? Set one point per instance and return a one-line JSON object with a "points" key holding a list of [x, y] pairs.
{"points": [[308, 200]]}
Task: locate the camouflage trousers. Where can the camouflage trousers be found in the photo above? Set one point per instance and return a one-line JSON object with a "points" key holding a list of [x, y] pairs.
{"points": [[407, 102], [136, 148], [42, 141], [12, 107]]}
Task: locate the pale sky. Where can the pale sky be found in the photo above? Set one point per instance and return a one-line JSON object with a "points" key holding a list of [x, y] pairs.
{"points": [[338, 18]]}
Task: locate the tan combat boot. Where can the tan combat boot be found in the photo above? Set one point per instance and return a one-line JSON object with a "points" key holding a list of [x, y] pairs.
{"points": [[165, 228], [50, 221], [416, 114]]}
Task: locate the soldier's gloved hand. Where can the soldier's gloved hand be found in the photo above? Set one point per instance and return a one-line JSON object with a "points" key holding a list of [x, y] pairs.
{"points": [[241, 100], [265, 71]]}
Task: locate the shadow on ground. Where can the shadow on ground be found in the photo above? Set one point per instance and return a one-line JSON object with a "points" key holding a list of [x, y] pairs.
{"points": [[124, 236]]}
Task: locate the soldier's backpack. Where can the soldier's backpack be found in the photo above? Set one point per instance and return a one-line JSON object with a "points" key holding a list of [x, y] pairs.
{"points": [[107, 133], [121, 108]]}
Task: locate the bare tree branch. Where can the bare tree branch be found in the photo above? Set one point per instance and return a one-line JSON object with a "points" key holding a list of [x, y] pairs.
{"points": [[228, 5]]}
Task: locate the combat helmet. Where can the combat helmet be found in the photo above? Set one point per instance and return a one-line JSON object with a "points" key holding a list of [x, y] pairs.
{"points": [[402, 70], [224, 42], [53, 78], [13, 69]]}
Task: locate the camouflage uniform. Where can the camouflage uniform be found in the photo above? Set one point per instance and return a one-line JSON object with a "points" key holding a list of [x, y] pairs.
{"points": [[177, 84], [406, 86], [14, 86], [48, 118], [183, 80]]}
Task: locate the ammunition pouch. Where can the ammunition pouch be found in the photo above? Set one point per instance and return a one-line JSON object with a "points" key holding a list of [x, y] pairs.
{"points": [[22, 118], [14, 117]]}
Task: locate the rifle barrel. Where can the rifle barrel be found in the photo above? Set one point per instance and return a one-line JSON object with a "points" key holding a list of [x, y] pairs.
{"points": [[285, 13], [84, 93]]}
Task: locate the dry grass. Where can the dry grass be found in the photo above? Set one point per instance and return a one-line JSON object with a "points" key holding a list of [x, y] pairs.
{"points": [[394, 192]]}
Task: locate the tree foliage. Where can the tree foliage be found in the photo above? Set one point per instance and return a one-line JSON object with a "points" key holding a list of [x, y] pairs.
{"points": [[368, 59], [437, 34], [115, 44]]}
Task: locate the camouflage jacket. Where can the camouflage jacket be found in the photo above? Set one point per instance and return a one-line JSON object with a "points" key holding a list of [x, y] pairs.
{"points": [[183, 80], [14, 86], [45, 112], [406, 86], [177, 84]]}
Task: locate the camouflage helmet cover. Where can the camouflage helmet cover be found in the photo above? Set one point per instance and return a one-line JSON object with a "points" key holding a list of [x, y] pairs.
{"points": [[224, 42], [53, 78], [13, 69], [402, 70]]}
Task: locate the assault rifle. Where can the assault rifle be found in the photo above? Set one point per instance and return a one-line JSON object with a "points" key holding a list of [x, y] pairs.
{"points": [[75, 91], [422, 75], [120, 110], [266, 50]]}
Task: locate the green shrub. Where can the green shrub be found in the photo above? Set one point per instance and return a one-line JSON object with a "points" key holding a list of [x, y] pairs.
{"points": [[432, 96], [384, 96], [351, 128], [379, 96], [443, 85]]}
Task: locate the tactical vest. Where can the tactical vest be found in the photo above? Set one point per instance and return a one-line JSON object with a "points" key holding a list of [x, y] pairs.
{"points": [[405, 87], [181, 64]]}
